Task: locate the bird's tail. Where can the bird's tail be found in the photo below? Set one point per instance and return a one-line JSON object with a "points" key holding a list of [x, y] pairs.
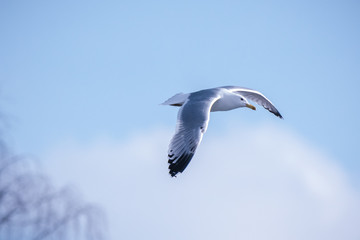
{"points": [[177, 100]]}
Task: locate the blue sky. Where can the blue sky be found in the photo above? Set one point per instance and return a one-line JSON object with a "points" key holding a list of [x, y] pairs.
{"points": [[72, 69], [73, 73]]}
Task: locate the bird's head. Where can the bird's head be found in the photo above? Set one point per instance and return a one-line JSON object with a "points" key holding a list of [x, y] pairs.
{"points": [[244, 102]]}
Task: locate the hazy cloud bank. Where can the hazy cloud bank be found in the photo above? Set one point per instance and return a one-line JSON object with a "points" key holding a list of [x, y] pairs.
{"points": [[261, 183]]}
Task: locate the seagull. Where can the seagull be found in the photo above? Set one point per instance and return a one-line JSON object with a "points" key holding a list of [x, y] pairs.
{"points": [[194, 114]]}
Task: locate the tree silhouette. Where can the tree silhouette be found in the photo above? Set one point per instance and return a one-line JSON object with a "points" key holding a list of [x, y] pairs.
{"points": [[32, 208]]}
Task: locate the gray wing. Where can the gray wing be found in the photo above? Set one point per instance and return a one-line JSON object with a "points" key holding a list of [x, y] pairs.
{"points": [[193, 118], [257, 97]]}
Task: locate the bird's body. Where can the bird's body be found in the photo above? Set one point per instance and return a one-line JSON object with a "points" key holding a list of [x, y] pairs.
{"points": [[194, 115]]}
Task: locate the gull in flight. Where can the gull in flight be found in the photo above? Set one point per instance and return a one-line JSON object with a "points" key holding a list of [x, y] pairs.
{"points": [[194, 114]]}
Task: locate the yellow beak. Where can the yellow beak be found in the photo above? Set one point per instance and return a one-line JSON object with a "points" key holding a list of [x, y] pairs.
{"points": [[251, 106]]}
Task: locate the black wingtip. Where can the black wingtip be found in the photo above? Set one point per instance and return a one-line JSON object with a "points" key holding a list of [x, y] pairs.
{"points": [[172, 174], [277, 113], [178, 164]]}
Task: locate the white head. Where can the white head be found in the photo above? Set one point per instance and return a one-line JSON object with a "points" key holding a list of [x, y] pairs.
{"points": [[229, 101], [244, 102]]}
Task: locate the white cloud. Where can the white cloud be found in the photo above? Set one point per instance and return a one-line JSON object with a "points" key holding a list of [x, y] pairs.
{"points": [[262, 183]]}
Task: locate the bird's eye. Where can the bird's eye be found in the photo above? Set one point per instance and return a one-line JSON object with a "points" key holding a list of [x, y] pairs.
{"points": [[242, 99]]}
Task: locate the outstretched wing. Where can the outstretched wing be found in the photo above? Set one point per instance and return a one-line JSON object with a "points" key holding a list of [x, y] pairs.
{"points": [[257, 97], [192, 122]]}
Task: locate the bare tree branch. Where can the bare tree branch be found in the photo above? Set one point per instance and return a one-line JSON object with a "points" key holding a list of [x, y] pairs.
{"points": [[32, 208]]}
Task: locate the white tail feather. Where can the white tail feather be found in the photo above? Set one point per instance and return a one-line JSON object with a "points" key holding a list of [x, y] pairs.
{"points": [[177, 99]]}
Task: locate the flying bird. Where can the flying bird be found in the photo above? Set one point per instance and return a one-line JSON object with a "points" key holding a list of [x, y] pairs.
{"points": [[194, 114]]}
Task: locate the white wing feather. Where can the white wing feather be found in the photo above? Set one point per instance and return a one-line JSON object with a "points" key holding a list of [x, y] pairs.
{"points": [[257, 97], [193, 118]]}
